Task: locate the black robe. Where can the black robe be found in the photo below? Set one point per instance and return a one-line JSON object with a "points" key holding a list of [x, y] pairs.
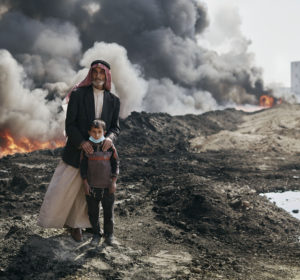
{"points": [[80, 113]]}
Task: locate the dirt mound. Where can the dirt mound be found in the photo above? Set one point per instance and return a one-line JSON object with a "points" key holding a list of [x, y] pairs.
{"points": [[187, 208], [271, 130], [156, 133]]}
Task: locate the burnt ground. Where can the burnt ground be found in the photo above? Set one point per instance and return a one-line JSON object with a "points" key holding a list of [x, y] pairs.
{"points": [[180, 213]]}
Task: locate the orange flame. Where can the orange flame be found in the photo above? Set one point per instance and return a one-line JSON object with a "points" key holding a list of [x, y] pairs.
{"points": [[266, 101], [9, 145]]}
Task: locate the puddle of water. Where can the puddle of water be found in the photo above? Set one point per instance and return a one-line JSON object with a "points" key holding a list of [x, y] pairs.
{"points": [[289, 201]]}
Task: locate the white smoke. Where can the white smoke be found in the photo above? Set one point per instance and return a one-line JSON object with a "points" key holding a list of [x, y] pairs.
{"points": [[224, 31], [137, 94], [126, 77], [92, 8], [57, 39], [26, 113]]}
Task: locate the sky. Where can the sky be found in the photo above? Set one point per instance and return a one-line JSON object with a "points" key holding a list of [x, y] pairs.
{"points": [[272, 26]]}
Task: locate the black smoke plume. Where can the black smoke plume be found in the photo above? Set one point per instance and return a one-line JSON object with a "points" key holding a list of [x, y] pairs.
{"points": [[158, 62]]}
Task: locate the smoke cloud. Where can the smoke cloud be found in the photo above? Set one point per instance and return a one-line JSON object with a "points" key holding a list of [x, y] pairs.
{"points": [[165, 56], [126, 77], [23, 112]]}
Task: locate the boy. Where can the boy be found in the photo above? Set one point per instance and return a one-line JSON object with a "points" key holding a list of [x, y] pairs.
{"points": [[99, 172]]}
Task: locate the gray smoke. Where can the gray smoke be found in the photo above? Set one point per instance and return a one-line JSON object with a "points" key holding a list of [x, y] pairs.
{"points": [[160, 56], [47, 49], [24, 112]]}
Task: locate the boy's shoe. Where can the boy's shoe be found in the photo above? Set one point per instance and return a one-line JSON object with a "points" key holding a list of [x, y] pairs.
{"points": [[76, 234], [96, 239], [109, 240]]}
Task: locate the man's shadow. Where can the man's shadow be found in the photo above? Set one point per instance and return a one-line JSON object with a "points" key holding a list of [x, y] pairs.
{"points": [[53, 258]]}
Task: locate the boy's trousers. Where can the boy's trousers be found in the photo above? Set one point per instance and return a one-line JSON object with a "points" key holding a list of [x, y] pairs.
{"points": [[107, 200]]}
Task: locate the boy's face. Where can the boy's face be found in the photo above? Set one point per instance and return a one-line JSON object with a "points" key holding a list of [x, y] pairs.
{"points": [[96, 132]]}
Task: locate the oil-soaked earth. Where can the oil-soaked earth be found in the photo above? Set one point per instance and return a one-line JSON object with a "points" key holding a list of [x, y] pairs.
{"points": [[182, 211]]}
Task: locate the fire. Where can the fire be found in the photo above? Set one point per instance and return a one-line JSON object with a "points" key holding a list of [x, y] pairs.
{"points": [[268, 101], [265, 101], [9, 145]]}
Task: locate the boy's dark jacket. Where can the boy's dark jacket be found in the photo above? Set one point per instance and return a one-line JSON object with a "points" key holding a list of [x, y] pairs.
{"points": [[80, 113], [99, 167]]}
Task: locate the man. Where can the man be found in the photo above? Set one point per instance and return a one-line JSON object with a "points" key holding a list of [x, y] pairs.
{"points": [[64, 203], [91, 100]]}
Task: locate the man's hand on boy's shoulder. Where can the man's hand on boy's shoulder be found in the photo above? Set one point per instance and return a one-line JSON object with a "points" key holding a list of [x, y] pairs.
{"points": [[107, 144], [112, 188], [87, 147]]}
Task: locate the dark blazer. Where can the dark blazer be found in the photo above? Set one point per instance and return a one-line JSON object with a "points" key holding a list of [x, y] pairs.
{"points": [[80, 113]]}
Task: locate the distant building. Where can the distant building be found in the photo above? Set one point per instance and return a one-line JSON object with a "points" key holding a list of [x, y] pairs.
{"points": [[295, 77]]}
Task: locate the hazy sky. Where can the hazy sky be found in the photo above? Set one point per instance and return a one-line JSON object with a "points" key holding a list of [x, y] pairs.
{"points": [[273, 28]]}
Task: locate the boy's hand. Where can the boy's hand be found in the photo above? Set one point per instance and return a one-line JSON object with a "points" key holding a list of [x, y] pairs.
{"points": [[112, 188], [87, 188]]}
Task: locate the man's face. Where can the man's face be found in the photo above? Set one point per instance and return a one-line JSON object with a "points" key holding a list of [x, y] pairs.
{"points": [[98, 77], [96, 132]]}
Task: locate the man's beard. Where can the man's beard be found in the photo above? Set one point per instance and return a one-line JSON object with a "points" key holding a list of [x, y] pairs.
{"points": [[98, 83]]}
